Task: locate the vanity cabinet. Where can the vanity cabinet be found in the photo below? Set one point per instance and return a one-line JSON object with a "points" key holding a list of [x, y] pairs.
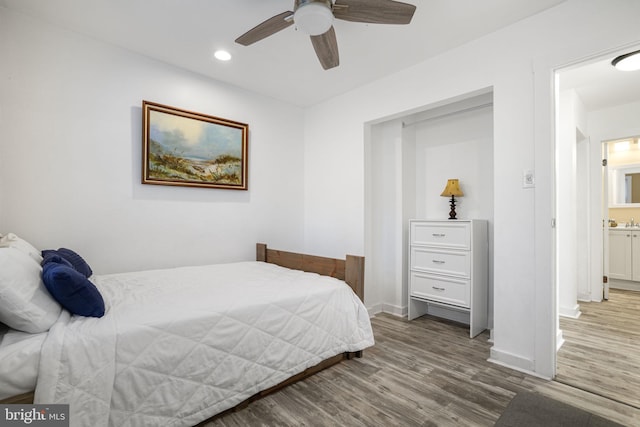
{"points": [[624, 254], [448, 270]]}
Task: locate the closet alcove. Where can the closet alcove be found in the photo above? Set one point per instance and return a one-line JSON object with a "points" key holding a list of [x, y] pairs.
{"points": [[408, 159]]}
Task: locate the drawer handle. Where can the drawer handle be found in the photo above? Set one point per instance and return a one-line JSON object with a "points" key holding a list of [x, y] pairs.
{"points": [[438, 289], [438, 234], [437, 261]]}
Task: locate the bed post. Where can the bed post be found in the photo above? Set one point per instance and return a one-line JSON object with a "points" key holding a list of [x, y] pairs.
{"points": [[354, 274], [261, 252]]}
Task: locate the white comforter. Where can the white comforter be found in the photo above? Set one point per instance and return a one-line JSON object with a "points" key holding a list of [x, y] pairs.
{"points": [[19, 360], [178, 346]]}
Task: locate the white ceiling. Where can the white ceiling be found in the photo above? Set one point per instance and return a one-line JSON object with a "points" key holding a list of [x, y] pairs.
{"points": [[185, 33], [599, 85]]}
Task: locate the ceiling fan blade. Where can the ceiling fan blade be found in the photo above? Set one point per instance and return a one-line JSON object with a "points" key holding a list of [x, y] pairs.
{"points": [[374, 11], [326, 47], [265, 29]]}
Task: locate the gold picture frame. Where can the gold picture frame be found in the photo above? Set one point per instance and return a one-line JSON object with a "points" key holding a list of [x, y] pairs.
{"points": [[184, 148]]}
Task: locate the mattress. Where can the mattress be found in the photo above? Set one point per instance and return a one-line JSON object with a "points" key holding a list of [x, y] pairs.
{"points": [[19, 360], [177, 346]]}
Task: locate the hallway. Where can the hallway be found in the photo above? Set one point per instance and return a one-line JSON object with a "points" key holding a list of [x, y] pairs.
{"points": [[601, 352]]}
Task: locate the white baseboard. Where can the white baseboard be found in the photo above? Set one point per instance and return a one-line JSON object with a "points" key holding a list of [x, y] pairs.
{"points": [[374, 309], [395, 310], [584, 297], [387, 308], [559, 340], [572, 312], [513, 361], [624, 284]]}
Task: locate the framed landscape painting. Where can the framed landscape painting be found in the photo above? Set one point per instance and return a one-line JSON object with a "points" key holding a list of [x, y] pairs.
{"points": [[192, 149]]}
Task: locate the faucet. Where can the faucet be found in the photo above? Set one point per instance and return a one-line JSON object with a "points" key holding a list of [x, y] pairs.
{"points": [[631, 223]]}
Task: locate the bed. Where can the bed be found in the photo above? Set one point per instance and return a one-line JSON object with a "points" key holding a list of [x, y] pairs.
{"points": [[176, 347]]}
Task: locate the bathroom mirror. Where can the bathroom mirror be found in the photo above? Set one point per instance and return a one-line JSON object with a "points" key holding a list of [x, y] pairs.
{"points": [[624, 186]]}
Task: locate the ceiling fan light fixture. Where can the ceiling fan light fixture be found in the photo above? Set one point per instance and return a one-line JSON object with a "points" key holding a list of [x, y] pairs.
{"points": [[313, 17], [627, 62]]}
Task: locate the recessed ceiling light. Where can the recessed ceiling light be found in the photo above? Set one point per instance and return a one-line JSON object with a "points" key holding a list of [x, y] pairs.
{"points": [[222, 55], [622, 145], [628, 61]]}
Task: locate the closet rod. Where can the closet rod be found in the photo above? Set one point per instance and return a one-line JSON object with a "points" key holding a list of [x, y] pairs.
{"points": [[452, 113]]}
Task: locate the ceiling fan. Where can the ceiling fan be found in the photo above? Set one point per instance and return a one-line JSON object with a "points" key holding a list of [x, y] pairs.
{"points": [[315, 17]]}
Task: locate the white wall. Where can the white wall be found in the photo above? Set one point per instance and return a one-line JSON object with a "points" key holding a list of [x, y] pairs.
{"points": [[458, 146], [571, 110], [518, 62], [70, 157], [584, 217], [384, 262]]}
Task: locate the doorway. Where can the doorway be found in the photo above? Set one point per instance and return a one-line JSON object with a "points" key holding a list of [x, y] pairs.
{"points": [[595, 104]]}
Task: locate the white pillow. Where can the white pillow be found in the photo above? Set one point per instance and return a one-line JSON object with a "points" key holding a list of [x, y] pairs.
{"points": [[25, 303], [13, 241]]}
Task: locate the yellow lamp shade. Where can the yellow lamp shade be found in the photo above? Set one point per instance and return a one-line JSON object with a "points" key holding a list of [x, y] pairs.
{"points": [[452, 189]]}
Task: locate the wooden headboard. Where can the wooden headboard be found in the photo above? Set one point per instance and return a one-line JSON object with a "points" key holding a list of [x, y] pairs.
{"points": [[351, 269]]}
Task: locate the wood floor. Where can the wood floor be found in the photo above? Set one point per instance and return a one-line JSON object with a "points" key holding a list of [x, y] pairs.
{"points": [[426, 372], [601, 352]]}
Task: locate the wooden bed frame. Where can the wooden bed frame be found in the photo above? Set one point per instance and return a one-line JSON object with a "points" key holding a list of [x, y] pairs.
{"points": [[351, 270]]}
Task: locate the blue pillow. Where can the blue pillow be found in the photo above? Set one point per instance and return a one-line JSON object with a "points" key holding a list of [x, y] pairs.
{"points": [[72, 290], [76, 260], [52, 256]]}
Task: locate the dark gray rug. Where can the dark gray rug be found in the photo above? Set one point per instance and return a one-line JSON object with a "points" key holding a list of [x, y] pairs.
{"points": [[534, 410]]}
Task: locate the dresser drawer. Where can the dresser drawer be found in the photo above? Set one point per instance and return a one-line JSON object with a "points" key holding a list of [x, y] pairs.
{"points": [[442, 289], [456, 263], [454, 235]]}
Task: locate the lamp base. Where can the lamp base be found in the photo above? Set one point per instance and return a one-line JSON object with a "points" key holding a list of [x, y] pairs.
{"points": [[452, 212]]}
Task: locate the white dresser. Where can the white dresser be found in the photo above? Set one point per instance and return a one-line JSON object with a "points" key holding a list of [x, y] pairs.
{"points": [[448, 271]]}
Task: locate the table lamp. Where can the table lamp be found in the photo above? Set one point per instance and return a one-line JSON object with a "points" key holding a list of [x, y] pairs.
{"points": [[452, 189]]}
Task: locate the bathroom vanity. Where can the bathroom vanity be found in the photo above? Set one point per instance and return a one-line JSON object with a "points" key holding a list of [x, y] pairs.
{"points": [[624, 257]]}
